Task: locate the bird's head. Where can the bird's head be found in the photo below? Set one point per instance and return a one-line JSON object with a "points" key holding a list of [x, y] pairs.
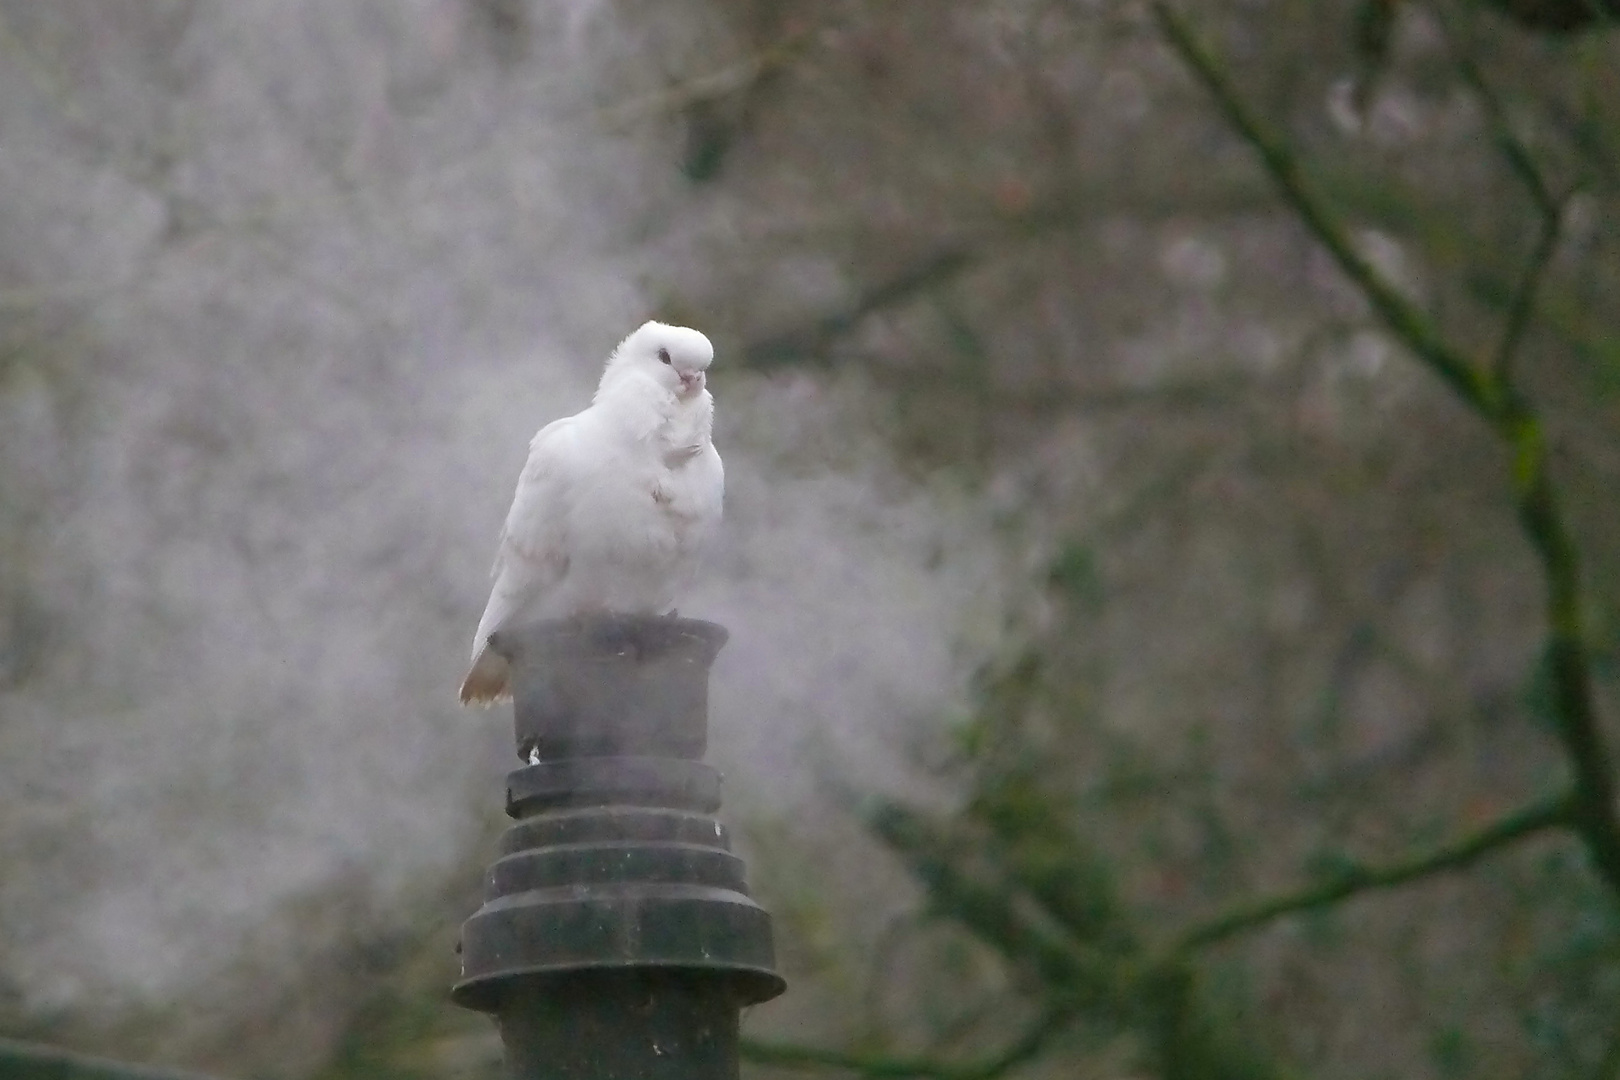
{"points": [[675, 357]]}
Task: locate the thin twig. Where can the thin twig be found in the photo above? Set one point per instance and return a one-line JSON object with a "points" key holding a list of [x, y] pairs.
{"points": [[809, 342], [709, 86], [1457, 855], [1549, 206], [881, 1067], [998, 913], [995, 233], [1518, 155], [1523, 304]]}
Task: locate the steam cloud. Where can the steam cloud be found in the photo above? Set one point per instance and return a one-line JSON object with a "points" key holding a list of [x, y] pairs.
{"points": [[295, 282]]}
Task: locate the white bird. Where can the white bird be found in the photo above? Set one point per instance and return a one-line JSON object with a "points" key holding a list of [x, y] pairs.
{"points": [[615, 503]]}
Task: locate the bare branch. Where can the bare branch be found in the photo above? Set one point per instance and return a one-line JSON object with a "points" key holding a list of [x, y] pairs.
{"points": [[1549, 206], [1524, 295], [710, 86], [1494, 399], [994, 234], [1567, 659], [42, 1060], [1412, 326], [1457, 855], [998, 913], [807, 342], [880, 1067], [1513, 148]]}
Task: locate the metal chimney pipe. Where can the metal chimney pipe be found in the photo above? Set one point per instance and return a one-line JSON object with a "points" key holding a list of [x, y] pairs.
{"points": [[617, 940]]}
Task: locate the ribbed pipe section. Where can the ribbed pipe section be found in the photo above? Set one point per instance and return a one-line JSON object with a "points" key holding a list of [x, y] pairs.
{"points": [[617, 938]]}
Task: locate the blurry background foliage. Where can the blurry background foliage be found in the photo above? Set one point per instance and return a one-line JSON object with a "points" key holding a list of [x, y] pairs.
{"points": [[1271, 351]]}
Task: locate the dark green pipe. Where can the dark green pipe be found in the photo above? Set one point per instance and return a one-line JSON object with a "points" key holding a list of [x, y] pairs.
{"points": [[617, 940]]}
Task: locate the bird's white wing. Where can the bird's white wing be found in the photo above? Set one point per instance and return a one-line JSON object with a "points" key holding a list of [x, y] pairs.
{"points": [[533, 537], [532, 555], [708, 490]]}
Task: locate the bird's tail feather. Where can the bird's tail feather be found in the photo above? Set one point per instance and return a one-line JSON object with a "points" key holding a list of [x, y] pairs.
{"points": [[487, 682]]}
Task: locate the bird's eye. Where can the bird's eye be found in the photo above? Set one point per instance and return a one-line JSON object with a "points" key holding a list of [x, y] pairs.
{"points": [[663, 354]]}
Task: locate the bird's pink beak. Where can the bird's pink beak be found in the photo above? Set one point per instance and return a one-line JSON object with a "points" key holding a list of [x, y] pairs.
{"points": [[691, 381]]}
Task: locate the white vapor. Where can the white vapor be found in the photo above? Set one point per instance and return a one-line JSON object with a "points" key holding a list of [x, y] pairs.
{"points": [[305, 277]]}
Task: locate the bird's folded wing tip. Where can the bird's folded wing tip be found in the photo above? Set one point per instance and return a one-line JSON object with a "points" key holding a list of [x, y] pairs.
{"points": [[486, 684], [482, 699]]}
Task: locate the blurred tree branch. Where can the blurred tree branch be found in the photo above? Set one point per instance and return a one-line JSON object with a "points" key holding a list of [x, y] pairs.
{"points": [[39, 1061], [1014, 874], [1353, 879], [713, 85], [990, 908], [1518, 156], [1549, 207], [806, 344], [1491, 395], [881, 1067], [1414, 328], [1034, 893], [926, 273], [1522, 306]]}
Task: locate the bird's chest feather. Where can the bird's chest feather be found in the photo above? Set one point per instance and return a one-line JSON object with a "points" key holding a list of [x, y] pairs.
{"points": [[648, 505], [674, 494]]}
